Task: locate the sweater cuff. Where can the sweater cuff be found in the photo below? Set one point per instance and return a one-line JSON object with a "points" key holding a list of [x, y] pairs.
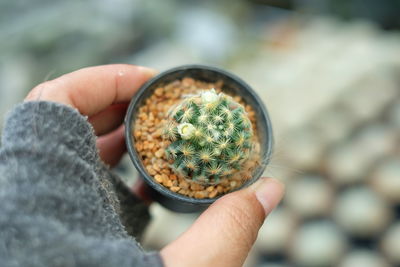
{"points": [[37, 122]]}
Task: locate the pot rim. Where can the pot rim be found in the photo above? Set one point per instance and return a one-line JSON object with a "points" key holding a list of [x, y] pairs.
{"points": [[130, 143]]}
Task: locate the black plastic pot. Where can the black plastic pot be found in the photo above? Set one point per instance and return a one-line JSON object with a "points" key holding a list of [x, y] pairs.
{"points": [[232, 83]]}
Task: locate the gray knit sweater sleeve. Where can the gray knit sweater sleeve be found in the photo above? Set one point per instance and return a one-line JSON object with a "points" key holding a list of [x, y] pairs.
{"points": [[59, 204]]}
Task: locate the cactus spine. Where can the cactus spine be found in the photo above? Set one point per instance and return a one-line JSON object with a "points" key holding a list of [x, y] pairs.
{"points": [[211, 137]]}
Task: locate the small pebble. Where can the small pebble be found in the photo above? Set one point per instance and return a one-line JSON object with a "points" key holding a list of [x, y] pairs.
{"points": [[213, 193], [210, 188], [199, 194], [174, 188], [158, 178], [159, 153], [151, 170], [183, 184], [168, 183]]}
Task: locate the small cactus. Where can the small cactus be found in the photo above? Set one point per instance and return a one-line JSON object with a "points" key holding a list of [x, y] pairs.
{"points": [[211, 137]]}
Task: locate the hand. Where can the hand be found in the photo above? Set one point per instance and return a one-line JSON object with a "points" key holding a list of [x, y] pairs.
{"points": [[102, 93], [225, 232]]}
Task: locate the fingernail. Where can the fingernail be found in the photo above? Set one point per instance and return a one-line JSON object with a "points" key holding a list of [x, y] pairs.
{"points": [[149, 71], [269, 193]]}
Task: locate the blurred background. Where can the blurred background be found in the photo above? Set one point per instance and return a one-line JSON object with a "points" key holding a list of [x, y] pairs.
{"points": [[328, 71]]}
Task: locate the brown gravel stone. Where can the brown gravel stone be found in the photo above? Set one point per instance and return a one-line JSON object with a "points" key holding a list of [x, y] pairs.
{"points": [[213, 193], [220, 189], [183, 192], [166, 171], [156, 167], [159, 91], [210, 188], [137, 133], [167, 183], [200, 194], [151, 170], [196, 187], [183, 184], [150, 145], [165, 177], [158, 178], [159, 153], [139, 147], [174, 188], [233, 184]]}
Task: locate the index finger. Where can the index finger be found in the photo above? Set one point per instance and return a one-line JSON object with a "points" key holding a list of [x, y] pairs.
{"points": [[93, 89]]}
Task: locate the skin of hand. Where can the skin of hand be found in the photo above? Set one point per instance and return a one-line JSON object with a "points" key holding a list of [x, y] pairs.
{"points": [[224, 234]]}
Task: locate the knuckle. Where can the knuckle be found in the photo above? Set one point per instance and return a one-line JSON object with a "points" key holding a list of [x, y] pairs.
{"points": [[38, 91]]}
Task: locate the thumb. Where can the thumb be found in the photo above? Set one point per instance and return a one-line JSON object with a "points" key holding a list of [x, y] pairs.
{"points": [[224, 234]]}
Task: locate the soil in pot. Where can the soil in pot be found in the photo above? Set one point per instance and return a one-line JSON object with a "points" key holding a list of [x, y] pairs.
{"points": [[151, 143]]}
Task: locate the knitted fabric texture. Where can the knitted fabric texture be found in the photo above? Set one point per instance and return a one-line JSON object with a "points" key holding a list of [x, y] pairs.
{"points": [[59, 204]]}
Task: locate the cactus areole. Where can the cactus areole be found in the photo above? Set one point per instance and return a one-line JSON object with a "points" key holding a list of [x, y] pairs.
{"points": [[210, 137]]}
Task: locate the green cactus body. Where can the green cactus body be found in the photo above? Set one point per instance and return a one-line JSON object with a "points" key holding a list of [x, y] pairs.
{"points": [[211, 137]]}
